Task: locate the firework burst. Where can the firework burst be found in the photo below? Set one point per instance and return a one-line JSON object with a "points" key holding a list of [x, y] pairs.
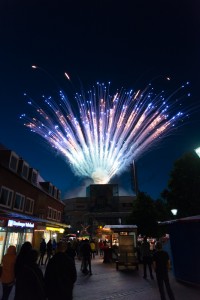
{"points": [[105, 133]]}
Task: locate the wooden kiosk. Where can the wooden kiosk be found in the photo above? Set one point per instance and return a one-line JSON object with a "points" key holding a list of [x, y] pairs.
{"points": [[124, 240]]}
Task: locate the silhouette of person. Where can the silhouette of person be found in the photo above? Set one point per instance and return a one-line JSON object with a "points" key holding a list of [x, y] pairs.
{"points": [[161, 263], [54, 246], [30, 282], [8, 271], [146, 258], [49, 251], [60, 275], [86, 256], [70, 251], [22, 257], [43, 247]]}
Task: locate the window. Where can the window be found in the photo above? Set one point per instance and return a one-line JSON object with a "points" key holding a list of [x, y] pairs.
{"points": [[50, 189], [29, 205], [19, 202], [54, 214], [25, 170], [55, 192], [6, 196], [58, 216], [13, 162], [49, 212], [59, 194], [34, 177]]}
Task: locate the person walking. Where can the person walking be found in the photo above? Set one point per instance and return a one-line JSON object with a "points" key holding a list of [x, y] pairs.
{"points": [[54, 246], [43, 247], [93, 248], [49, 251], [60, 275], [70, 251], [8, 271], [161, 264], [86, 256], [146, 258], [30, 281]]}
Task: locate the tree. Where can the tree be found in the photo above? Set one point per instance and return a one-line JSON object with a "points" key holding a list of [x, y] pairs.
{"points": [[183, 192], [144, 215]]}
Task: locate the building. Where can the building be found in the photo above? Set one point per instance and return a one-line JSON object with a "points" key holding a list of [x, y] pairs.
{"points": [[30, 208], [102, 205]]}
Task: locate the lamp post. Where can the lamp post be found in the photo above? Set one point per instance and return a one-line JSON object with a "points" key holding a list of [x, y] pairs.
{"points": [[174, 212], [197, 150]]}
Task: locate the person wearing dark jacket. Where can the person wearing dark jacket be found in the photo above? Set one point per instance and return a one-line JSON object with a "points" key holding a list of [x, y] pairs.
{"points": [[43, 248], [49, 251], [85, 251], [22, 257], [70, 251], [60, 275], [30, 281], [146, 258], [161, 263]]}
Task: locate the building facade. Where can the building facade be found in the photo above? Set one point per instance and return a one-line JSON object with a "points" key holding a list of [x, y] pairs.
{"points": [[102, 205], [30, 208]]}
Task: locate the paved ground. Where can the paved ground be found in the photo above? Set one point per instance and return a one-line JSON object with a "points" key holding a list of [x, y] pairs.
{"points": [[106, 284]]}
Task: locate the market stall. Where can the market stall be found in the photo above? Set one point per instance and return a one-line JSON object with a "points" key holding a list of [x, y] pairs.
{"points": [[124, 243]]}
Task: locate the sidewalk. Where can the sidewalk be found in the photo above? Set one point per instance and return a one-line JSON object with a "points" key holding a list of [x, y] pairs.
{"points": [[127, 284], [107, 283]]}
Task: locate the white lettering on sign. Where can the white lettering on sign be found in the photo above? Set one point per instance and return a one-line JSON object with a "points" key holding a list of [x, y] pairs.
{"points": [[12, 223]]}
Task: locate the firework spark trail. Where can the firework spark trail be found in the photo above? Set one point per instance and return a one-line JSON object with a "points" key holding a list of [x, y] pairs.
{"points": [[109, 132]]}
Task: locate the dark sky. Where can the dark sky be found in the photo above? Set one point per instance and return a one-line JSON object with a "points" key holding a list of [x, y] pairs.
{"points": [[126, 42]]}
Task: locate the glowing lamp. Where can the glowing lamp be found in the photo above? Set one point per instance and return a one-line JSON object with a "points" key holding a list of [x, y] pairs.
{"points": [[197, 150], [174, 211]]}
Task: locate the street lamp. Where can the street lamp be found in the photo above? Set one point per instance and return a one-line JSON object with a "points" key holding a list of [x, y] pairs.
{"points": [[174, 211], [197, 150]]}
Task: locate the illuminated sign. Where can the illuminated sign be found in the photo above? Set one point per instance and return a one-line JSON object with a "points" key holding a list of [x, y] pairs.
{"points": [[12, 223], [61, 230]]}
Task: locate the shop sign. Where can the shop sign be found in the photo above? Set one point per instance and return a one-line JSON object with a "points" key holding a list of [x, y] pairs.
{"points": [[61, 230], [13, 223]]}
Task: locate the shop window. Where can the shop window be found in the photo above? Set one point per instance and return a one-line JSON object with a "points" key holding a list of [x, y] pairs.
{"points": [[6, 196], [13, 162], [29, 206], [19, 202]]}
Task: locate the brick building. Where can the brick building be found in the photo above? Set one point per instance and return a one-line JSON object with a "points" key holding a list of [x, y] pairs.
{"points": [[30, 207]]}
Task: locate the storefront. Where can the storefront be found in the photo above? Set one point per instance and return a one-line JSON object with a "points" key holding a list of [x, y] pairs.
{"points": [[14, 232], [47, 233]]}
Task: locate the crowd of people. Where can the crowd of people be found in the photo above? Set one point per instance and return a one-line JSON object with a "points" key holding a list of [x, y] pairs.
{"points": [[24, 269], [24, 272]]}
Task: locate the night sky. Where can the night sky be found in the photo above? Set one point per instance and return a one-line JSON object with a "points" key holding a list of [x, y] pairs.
{"points": [[128, 43]]}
